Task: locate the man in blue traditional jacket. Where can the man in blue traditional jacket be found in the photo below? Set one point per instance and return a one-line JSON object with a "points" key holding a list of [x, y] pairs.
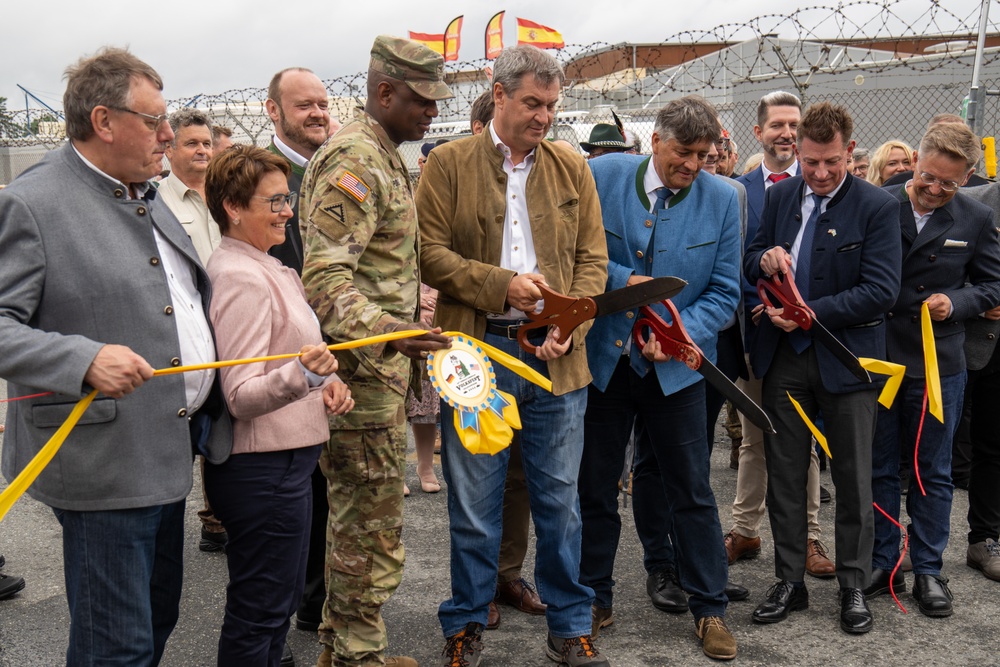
{"points": [[662, 216]]}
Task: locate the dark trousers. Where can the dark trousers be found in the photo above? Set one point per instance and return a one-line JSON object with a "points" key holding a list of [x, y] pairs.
{"points": [[265, 501], [731, 361], [314, 595], [850, 427], [984, 480], [675, 449]]}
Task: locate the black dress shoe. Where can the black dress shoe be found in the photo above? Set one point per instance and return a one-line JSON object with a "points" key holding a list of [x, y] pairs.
{"points": [[665, 592], [824, 495], [10, 585], [287, 659], [855, 616], [782, 599], [212, 542], [880, 583], [735, 592], [932, 595]]}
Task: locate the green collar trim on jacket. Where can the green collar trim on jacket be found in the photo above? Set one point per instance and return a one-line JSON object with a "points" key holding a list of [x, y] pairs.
{"points": [[296, 169], [640, 176]]}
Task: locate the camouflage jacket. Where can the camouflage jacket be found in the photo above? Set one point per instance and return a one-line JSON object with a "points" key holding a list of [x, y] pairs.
{"points": [[359, 237]]}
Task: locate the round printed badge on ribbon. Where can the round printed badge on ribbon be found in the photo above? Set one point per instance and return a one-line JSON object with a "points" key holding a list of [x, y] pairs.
{"points": [[463, 376]]}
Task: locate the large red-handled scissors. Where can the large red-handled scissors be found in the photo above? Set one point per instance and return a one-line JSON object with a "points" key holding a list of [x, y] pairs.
{"points": [[676, 342], [794, 308], [567, 312]]}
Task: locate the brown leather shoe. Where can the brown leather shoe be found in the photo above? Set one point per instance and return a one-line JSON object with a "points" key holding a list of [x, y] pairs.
{"points": [[493, 618], [738, 547], [521, 596], [818, 564]]}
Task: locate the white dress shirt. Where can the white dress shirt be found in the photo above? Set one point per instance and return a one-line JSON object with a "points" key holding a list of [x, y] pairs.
{"points": [[517, 252], [193, 332]]}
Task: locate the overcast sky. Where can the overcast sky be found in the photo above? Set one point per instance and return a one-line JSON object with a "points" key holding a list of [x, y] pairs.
{"points": [[210, 46]]}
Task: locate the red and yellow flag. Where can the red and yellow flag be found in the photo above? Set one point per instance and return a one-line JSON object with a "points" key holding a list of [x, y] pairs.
{"points": [[431, 41], [494, 36], [536, 34], [453, 39]]}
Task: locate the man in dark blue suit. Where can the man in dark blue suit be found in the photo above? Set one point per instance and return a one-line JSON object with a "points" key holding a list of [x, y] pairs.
{"points": [[838, 236], [951, 262], [778, 115]]}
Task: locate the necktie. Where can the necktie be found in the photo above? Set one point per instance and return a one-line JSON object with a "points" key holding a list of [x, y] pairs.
{"points": [[774, 178], [662, 195], [638, 362], [800, 339]]}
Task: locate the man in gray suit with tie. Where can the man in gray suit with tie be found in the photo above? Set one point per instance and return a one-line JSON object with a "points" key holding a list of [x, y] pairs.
{"points": [[99, 285]]}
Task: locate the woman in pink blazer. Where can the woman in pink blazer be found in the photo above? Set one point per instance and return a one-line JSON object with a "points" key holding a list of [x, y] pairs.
{"points": [[262, 493]]}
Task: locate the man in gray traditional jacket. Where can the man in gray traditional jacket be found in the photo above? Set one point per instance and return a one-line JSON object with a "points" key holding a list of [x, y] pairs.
{"points": [[99, 285]]}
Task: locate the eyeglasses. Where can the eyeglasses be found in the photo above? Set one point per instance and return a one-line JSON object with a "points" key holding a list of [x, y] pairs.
{"points": [[278, 201], [947, 186], [722, 144], [156, 121]]}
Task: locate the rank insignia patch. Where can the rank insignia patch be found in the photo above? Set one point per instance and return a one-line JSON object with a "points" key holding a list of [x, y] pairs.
{"points": [[336, 210], [354, 186]]}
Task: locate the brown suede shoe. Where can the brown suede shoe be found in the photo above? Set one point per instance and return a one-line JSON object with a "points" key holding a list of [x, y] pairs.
{"points": [[600, 619], [818, 564], [717, 641], [521, 596], [738, 547], [326, 660], [493, 617], [400, 661]]}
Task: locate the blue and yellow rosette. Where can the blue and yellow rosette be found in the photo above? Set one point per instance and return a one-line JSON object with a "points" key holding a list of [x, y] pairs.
{"points": [[463, 376]]}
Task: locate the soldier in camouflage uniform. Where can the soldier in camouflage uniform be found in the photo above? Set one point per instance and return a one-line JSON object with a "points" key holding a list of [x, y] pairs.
{"points": [[359, 231]]}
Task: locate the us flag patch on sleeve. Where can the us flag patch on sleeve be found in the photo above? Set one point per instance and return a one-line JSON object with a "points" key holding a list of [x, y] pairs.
{"points": [[354, 186]]}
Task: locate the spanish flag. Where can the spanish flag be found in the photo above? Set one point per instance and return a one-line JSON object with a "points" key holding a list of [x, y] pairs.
{"points": [[494, 36], [453, 39], [536, 34], [433, 42]]}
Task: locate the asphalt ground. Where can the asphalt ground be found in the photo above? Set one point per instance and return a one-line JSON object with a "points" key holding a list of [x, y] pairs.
{"points": [[34, 623]]}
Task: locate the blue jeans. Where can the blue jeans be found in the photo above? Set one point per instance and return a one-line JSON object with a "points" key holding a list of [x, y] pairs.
{"points": [[930, 515], [551, 447], [123, 573]]}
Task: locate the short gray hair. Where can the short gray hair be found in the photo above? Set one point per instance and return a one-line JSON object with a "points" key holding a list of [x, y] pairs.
{"points": [[187, 117], [777, 98], [688, 120], [860, 154], [516, 61], [104, 79]]}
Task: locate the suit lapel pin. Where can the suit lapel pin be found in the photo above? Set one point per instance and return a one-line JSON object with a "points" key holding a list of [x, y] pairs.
{"points": [[831, 232]]}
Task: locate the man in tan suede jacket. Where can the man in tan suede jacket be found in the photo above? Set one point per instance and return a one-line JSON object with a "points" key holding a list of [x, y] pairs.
{"points": [[500, 214]]}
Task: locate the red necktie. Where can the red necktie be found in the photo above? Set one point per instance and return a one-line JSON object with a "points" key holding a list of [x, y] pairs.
{"points": [[774, 178]]}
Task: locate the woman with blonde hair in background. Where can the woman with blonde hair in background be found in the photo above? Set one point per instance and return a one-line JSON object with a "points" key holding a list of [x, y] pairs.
{"points": [[891, 158]]}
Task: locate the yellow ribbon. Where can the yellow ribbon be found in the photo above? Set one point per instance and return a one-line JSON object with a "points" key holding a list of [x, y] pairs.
{"points": [[26, 478], [820, 438], [21, 483], [495, 433], [931, 373], [895, 373]]}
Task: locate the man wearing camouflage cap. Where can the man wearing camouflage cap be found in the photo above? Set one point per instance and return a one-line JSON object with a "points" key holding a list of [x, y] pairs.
{"points": [[359, 232]]}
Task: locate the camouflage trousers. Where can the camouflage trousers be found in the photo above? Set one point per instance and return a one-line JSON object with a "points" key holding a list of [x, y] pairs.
{"points": [[363, 462]]}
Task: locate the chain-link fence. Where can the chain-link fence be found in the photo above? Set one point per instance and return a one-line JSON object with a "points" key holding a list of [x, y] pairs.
{"points": [[893, 64]]}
